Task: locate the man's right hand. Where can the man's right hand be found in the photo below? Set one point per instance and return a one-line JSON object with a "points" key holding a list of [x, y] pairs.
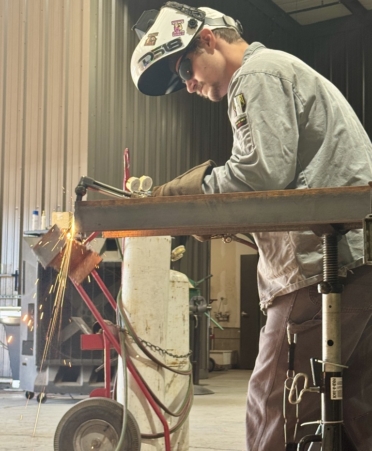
{"points": [[188, 183]]}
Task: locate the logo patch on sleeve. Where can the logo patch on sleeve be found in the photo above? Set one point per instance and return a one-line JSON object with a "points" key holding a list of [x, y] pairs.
{"points": [[240, 122], [240, 104]]}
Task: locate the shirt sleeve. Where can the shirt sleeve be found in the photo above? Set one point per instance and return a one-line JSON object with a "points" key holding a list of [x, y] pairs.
{"points": [[263, 111]]}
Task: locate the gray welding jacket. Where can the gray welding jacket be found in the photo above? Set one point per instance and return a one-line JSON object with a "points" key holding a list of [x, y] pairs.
{"points": [[293, 129]]}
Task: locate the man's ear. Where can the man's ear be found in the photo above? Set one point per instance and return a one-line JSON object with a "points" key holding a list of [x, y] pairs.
{"points": [[207, 39]]}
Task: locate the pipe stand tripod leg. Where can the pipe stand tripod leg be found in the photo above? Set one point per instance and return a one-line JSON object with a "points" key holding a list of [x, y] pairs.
{"points": [[331, 397]]}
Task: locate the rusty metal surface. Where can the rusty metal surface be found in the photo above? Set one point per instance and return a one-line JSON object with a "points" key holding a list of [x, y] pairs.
{"points": [[50, 246], [307, 209], [82, 262], [50, 251]]}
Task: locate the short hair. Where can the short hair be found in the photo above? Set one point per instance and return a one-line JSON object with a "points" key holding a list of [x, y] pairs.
{"points": [[228, 34]]}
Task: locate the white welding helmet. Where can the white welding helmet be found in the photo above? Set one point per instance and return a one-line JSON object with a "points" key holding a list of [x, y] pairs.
{"points": [[167, 34]]}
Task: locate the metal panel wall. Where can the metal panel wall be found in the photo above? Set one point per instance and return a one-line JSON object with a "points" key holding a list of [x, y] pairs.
{"points": [[165, 135], [44, 51], [345, 58], [168, 135], [65, 87]]}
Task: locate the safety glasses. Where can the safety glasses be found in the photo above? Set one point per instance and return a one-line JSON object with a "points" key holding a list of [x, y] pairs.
{"points": [[185, 69]]}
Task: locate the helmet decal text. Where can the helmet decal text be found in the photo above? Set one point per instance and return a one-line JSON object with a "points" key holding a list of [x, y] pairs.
{"points": [[154, 54]]}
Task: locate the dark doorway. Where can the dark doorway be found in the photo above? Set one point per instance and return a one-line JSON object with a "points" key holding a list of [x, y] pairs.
{"points": [[251, 317]]}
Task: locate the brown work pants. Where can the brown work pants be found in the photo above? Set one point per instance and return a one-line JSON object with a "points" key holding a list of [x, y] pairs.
{"points": [[301, 310]]}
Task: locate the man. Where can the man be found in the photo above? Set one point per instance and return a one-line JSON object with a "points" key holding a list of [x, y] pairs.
{"points": [[292, 129]]}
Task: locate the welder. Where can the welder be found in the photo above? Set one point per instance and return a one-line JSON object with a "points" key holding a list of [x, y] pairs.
{"points": [[292, 129]]}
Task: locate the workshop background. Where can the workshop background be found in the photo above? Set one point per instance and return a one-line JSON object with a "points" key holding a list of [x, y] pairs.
{"points": [[68, 107]]}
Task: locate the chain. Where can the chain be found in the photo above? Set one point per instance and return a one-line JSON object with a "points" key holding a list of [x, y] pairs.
{"points": [[158, 349], [292, 339]]}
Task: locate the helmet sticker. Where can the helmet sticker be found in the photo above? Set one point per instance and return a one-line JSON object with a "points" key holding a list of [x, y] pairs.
{"points": [[151, 39], [166, 34], [178, 27]]}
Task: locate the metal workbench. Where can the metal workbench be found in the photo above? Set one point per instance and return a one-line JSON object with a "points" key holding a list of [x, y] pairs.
{"points": [[307, 209]]}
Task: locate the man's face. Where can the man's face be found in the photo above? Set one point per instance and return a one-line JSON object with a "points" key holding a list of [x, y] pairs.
{"points": [[203, 73]]}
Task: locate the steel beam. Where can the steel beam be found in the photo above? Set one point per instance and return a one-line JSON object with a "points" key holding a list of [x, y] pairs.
{"points": [[358, 10], [307, 209], [276, 14]]}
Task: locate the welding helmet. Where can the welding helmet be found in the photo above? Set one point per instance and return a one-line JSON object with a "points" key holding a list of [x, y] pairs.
{"points": [[164, 36]]}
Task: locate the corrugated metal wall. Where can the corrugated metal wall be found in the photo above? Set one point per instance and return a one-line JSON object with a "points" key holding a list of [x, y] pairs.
{"points": [[165, 135], [345, 58], [68, 106], [44, 52]]}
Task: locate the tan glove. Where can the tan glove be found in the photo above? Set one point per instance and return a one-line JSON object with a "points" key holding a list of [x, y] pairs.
{"points": [[188, 183]]}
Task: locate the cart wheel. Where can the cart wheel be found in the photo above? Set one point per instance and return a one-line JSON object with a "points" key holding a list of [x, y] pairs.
{"points": [[41, 397], [212, 364], [96, 423], [29, 394]]}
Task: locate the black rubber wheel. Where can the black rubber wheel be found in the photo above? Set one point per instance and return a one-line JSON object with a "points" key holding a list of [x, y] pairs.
{"points": [[96, 423], [42, 397], [212, 364], [29, 394]]}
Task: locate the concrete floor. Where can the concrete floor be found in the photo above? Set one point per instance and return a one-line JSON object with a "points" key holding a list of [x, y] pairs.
{"points": [[216, 420]]}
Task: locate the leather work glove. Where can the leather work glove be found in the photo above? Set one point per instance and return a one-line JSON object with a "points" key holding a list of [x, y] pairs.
{"points": [[188, 183]]}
